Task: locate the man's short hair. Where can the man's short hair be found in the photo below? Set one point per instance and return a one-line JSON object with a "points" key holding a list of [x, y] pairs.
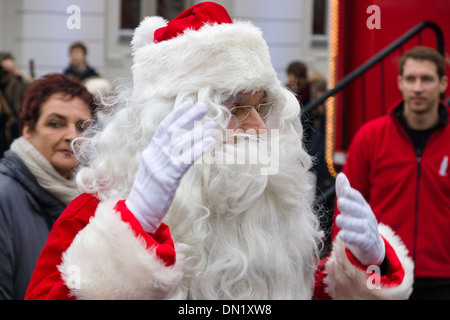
{"points": [[78, 45], [5, 56], [424, 53]]}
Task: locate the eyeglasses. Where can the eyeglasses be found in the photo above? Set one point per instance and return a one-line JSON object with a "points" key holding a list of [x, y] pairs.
{"points": [[240, 113]]}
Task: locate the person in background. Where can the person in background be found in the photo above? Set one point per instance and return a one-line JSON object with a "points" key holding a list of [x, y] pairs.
{"points": [[78, 67], [400, 164], [103, 91], [324, 180], [37, 178], [13, 85], [98, 86], [298, 83], [297, 73]]}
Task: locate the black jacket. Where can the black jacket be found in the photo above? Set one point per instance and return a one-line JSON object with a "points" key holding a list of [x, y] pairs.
{"points": [[81, 75], [27, 213]]}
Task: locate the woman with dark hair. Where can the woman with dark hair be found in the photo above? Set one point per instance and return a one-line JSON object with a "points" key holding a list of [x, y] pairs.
{"points": [[37, 178]]}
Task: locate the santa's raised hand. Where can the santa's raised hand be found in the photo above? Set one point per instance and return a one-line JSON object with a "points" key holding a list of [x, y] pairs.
{"points": [[165, 160], [359, 227]]}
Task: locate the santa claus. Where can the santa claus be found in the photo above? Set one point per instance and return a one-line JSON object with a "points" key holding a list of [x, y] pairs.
{"points": [[176, 152]]}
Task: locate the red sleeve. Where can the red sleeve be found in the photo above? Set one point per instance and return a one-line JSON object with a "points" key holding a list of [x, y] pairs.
{"points": [[319, 286], [161, 239], [46, 281], [395, 273], [392, 278]]}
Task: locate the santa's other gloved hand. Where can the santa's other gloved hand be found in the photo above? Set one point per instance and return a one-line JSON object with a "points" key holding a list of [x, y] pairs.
{"points": [[174, 147], [359, 227]]}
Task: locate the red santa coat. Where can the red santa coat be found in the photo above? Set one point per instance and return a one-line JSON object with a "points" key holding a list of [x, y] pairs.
{"points": [[98, 250]]}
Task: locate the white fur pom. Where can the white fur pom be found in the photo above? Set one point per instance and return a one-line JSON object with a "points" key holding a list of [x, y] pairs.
{"points": [[144, 32]]}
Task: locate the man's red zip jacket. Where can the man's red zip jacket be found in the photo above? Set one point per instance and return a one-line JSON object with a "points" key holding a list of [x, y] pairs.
{"points": [[408, 191]]}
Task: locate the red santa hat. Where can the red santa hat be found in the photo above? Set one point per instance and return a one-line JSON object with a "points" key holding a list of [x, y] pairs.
{"points": [[201, 47]]}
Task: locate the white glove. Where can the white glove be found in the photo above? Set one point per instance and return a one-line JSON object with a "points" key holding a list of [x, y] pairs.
{"points": [[359, 227], [164, 162]]}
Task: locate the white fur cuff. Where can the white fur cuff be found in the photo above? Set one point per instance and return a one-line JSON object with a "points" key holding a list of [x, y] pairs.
{"points": [[107, 261], [344, 280]]}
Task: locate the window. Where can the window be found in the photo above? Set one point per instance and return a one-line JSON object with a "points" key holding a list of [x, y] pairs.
{"points": [[133, 11], [319, 24], [169, 9], [130, 14]]}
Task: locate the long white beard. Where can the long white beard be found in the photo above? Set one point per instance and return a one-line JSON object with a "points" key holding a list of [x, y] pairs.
{"points": [[246, 235]]}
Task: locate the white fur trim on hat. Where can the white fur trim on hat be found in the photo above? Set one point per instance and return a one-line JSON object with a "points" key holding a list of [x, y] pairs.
{"points": [[231, 56], [143, 35], [107, 261]]}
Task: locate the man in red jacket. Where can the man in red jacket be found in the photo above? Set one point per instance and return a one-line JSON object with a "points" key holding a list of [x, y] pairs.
{"points": [[241, 227], [400, 164]]}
